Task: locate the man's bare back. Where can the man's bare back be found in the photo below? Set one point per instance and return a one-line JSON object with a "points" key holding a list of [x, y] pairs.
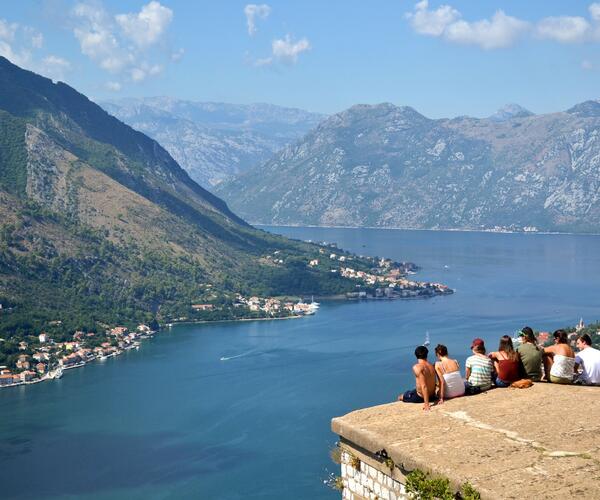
{"points": [[425, 379]]}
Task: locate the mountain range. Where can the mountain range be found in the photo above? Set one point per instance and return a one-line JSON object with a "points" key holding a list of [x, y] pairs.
{"points": [[99, 225], [214, 141], [389, 166]]}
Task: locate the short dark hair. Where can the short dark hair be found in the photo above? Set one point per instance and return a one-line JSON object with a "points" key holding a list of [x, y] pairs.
{"points": [[421, 352], [561, 336], [441, 350], [585, 338]]}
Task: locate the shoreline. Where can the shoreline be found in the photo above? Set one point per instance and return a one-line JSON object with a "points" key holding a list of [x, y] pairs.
{"points": [[393, 228], [81, 364], [169, 326], [204, 321]]}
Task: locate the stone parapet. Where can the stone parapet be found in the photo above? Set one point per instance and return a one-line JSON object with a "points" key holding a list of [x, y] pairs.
{"points": [[541, 442]]}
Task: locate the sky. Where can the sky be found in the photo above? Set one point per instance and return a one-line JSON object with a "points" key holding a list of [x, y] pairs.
{"points": [[444, 59]]}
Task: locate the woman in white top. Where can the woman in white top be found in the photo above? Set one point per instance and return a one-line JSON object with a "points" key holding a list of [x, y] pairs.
{"points": [[559, 359], [451, 383]]}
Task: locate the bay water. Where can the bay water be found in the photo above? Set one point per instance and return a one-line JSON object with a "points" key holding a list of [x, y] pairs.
{"points": [[242, 410]]}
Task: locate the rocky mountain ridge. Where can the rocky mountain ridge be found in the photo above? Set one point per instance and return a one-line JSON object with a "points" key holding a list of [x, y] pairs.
{"points": [[389, 166], [215, 141]]}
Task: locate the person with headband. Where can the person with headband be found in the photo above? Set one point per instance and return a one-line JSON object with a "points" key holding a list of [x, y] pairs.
{"points": [[530, 355]]}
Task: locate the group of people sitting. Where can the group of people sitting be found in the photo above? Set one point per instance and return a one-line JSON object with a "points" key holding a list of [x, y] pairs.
{"points": [[557, 364]]}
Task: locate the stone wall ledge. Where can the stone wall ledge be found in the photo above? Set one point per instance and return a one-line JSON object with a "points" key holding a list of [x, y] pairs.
{"points": [[541, 442]]}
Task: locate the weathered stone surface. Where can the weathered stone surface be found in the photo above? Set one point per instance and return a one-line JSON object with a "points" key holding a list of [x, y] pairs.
{"points": [[542, 442]]}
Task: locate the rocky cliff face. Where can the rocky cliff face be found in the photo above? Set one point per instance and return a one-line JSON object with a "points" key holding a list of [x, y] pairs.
{"points": [[390, 166], [215, 141]]}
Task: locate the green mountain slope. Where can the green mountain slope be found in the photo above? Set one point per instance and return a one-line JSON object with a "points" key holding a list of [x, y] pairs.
{"points": [[99, 225]]}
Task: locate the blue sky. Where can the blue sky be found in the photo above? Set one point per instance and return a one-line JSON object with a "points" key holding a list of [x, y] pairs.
{"points": [[443, 58]]}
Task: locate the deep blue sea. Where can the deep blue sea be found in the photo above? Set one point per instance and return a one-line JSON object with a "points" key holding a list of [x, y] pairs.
{"points": [[173, 421]]}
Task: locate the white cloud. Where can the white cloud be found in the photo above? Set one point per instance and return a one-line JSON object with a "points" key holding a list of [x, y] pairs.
{"points": [[254, 12], [285, 50], [445, 21], [21, 45], [564, 29], [141, 72], [7, 30], [19, 57], [177, 55], [147, 26], [502, 30], [594, 9], [96, 37], [431, 22], [113, 86], [125, 44], [37, 40], [499, 32], [54, 67]]}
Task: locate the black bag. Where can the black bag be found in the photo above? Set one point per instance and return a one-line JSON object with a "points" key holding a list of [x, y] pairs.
{"points": [[471, 390]]}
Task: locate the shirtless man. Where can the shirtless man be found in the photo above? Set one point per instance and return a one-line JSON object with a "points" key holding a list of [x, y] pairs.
{"points": [[424, 378]]}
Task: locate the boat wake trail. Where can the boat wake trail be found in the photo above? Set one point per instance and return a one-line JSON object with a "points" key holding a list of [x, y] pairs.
{"points": [[244, 354]]}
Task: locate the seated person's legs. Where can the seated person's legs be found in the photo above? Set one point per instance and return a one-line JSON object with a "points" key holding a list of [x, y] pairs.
{"points": [[412, 397]]}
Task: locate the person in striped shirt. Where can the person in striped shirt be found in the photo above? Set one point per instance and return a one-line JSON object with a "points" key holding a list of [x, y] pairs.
{"points": [[479, 367]]}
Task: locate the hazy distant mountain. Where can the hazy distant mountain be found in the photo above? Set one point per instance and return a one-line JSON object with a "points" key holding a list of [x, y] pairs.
{"points": [[510, 111], [215, 141], [390, 166]]}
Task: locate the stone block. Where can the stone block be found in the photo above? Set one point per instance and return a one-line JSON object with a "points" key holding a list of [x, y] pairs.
{"points": [[351, 484], [377, 489]]}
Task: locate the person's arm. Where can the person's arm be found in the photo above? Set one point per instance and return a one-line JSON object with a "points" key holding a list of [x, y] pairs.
{"points": [[576, 365], [440, 377], [467, 370]]}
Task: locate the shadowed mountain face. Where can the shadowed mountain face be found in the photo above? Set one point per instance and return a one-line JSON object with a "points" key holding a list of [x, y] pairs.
{"points": [[98, 223], [390, 166], [215, 141]]}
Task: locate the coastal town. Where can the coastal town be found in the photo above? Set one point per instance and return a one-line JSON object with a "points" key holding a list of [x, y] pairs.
{"points": [[38, 357]]}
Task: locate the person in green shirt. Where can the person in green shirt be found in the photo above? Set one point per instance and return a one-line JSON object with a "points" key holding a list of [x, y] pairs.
{"points": [[530, 355]]}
